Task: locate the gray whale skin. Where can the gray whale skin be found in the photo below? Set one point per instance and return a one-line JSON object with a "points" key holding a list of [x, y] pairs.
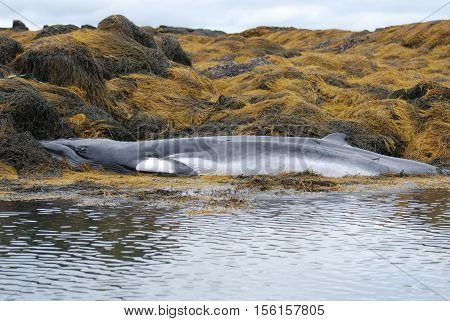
{"points": [[233, 155]]}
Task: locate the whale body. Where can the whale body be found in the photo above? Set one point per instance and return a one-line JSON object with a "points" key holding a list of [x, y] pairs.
{"points": [[233, 155]]}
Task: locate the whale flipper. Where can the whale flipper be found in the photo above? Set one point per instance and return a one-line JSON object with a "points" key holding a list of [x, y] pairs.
{"points": [[337, 138], [164, 166]]}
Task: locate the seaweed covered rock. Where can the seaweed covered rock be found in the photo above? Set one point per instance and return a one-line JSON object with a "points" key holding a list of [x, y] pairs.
{"points": [[442, 162], [95, 124], [88, 27], [226, 102], [172, 49], [361, 137], [147, 127], [119, 23], [352, 40], [63, 61], [23, 152], [422, 89], [9, 48], [147, 61], [24, 109], [232, 69], [19, 26], [261, 47], [25, 117], [120, 55], [55, 30], [81, 119], [4, 71], [187, 31], [158, 62]]}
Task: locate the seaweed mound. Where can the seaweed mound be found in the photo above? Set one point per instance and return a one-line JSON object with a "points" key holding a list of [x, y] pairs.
{"points": [[158, 62], [146, 127], [63, 61], [172, 49], [119, 23], [23, 152], [118, 54], [9, 48], [26, 116], [24, 109], [55, 30], [81, 119]]}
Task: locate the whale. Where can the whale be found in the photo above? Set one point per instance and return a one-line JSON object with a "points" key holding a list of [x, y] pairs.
{"points": [[329, 156]]}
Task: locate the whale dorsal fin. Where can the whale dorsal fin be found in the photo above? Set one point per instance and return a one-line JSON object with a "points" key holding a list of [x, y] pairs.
{"points": [[337, 138]]}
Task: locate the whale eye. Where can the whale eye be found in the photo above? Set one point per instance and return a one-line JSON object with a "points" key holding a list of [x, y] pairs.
{"points": [[81, 150]]}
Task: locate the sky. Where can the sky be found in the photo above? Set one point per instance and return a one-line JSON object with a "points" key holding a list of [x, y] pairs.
{"points": [[229, 15]]}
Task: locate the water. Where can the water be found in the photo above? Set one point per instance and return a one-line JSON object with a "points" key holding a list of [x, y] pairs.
{"points": [[336, 246]]}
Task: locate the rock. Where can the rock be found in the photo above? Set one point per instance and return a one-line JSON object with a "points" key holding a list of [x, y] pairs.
{"points": [[158, 62], [352, 40], [19, 26], [119, 23], [55, 30], [323, 44], [227, 102], [172, 49], [88, 27], [9, 48], [420, 90], [185, 31], [232, 69]]}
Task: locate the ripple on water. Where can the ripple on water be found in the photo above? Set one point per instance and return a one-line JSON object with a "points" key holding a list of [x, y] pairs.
{"points": [[318, 247]]}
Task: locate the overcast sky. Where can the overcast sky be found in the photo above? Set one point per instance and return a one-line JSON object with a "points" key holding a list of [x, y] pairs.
{"points": [[229, 15]]}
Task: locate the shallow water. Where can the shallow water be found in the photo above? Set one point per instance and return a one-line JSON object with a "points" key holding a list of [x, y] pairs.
{"points": [[335, 246]]}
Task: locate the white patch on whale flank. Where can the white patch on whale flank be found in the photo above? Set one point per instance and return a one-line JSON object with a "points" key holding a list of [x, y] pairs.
{"points": [[156, 165]]}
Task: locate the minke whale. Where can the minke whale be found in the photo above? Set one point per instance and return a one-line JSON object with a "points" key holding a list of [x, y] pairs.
{"points": [[233, 155]]}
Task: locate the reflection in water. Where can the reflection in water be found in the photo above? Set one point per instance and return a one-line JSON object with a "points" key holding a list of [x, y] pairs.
{"points": [[320, 246]]}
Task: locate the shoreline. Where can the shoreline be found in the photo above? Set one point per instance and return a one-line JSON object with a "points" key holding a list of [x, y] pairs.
{"points": [[201, 194]]}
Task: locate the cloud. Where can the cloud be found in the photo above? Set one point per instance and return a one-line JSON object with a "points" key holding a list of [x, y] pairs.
{"points": [[231, 15]]}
